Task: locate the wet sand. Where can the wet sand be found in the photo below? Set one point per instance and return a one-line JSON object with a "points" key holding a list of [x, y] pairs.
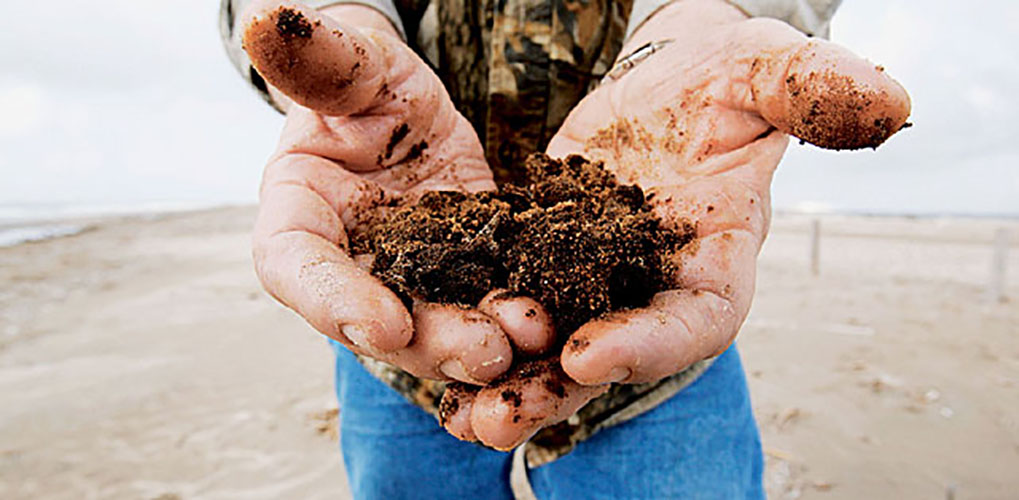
{"points": [[140, 359]]}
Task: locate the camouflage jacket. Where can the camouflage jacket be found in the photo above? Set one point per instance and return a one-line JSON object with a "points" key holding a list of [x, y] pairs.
{"points": [[515, 68]]}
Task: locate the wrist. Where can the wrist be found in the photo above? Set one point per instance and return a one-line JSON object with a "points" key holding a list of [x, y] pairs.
{"points": [[361, 17], [681, 19]]}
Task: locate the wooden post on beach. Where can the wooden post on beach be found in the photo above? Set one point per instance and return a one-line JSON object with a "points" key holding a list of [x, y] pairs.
{"points": [[815, 247], [998, 270]]}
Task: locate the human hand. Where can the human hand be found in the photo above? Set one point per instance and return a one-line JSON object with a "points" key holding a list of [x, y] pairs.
{"points": [[367, 120], [701, 126]]}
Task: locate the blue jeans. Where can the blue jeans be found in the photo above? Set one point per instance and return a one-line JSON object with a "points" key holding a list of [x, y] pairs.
{"points": [[701, 443]]}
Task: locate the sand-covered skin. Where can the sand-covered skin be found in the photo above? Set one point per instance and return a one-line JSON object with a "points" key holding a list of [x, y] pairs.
{"points": [[141, 359]]}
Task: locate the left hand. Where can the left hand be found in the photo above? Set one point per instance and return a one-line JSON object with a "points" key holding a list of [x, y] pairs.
{"points": [[367, 120], [700, 126]]}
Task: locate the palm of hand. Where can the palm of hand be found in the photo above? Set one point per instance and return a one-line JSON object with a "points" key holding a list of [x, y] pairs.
{"points": [[702, 156], [705, 149], [404, 137]]}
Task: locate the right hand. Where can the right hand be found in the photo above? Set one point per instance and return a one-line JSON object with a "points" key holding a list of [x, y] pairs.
{"points": [[701, 128], [368, 120]]}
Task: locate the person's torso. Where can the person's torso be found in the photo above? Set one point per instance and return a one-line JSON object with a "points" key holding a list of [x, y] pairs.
{"points": [[515, 68]]}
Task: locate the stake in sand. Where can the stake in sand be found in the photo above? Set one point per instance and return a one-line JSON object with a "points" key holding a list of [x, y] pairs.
{"points": [[998, 269], [815, 247]]}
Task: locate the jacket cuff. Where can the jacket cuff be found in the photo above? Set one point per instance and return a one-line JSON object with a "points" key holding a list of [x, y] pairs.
{"points": [[812, 17]]}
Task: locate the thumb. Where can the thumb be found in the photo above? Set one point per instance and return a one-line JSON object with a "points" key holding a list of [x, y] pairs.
{"points": [[320, 64], [819, 91]]}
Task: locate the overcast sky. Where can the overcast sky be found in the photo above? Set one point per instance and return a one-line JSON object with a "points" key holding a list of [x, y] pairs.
{"points": [[125, 101]]}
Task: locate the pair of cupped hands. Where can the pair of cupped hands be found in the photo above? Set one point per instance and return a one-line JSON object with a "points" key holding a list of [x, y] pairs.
{"points": [[701, 125]]}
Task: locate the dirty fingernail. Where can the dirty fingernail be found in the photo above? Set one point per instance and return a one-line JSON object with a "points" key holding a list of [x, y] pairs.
{"points": [[356, 334], [455, 411], [454, 369], [619, 374]]}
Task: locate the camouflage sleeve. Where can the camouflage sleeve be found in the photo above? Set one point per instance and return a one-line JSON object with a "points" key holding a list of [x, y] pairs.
{"points": [[812, 17], [230, 33]]}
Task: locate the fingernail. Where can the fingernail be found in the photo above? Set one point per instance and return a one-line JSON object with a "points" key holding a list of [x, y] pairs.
{"points": [[619, 374], [356, 334], [454, 369]]}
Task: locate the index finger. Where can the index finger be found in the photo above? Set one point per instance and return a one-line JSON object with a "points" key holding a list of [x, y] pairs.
{"points": [[299, 248]]}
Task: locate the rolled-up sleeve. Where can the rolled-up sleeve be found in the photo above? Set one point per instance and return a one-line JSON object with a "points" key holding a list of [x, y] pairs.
{"points": [[230, 32], [812, 17]]}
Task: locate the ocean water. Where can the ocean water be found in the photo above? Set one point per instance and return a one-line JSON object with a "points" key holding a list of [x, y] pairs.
{"points": [[15, 236], [23, 223]]}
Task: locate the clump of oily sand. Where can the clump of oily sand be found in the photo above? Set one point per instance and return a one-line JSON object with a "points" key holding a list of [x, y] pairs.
{"points": [[570, 237]]}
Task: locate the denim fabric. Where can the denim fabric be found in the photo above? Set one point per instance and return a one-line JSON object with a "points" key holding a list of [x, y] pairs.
{"points": [[701, 443]]}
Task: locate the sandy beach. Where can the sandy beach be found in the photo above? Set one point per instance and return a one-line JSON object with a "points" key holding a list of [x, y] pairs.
{"points": [[140, 359]]}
